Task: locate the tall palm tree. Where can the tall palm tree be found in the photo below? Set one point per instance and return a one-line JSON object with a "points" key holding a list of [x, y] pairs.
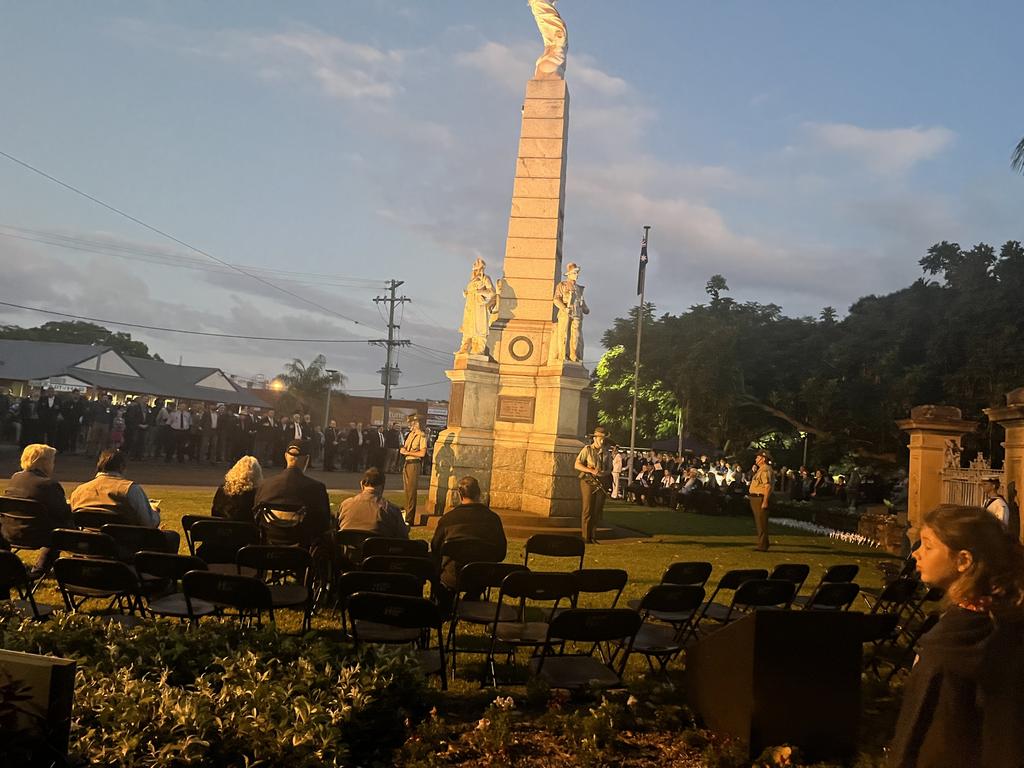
{"points": [[308, 384], [1017, 161]]}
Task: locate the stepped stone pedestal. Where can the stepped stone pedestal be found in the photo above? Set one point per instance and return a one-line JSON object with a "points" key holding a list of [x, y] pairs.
{"points": [[515, 416]]}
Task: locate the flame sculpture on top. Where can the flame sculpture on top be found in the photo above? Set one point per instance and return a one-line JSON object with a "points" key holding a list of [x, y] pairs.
{"points": [[551, 64]]}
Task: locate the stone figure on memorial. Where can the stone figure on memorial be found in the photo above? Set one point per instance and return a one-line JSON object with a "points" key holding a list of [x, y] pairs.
{"points": [[951, 455], [476, 316], [567, 343], [551, 64]]}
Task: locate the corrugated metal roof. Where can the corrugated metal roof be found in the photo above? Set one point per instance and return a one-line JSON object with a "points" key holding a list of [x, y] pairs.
{"points": [[27, 360]]}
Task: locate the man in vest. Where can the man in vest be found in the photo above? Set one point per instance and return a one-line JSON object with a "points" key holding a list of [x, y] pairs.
{"points": [[994, 502], [112, 491], [592, 460]]}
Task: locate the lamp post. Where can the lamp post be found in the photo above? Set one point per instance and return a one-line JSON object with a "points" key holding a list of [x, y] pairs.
{"points": [[330, 385], [804, 436]]}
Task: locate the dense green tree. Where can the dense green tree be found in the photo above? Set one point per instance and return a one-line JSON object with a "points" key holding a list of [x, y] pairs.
{"points": [[80, 332], [745, 373]]}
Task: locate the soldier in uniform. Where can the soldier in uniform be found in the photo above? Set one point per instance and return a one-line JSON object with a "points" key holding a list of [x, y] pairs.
{"points": [[761, 485], [592, 460], [414, 449]]}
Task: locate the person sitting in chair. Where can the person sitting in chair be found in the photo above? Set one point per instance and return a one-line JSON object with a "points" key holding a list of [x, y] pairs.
{"points": [[292, 489], [370, 511], [112, 491], [469, 520], [35, 481]]}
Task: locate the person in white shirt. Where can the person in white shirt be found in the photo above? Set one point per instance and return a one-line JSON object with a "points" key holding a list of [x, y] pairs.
{"points": [[180, 423], [994, 501], [616, 475]]}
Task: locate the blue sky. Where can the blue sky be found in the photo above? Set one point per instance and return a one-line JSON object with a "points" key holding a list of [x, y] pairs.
{"points": [[810, 152]]}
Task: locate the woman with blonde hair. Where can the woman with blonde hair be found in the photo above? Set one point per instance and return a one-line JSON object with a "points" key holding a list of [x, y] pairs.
{"points": [[36, 482], [964, 701], [236, 496]]}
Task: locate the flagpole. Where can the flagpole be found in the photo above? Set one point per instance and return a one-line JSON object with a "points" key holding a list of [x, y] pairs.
{"points": [[636, 363]]}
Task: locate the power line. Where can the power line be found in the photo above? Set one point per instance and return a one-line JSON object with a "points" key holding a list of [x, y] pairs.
{"points": [[163, 258], [171, 237], [181, 330], [410, 386]]}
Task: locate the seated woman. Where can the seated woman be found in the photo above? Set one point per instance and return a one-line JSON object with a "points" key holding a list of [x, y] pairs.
{"points": [[35, 481], [112, 491], [236, 496], [964, 701]]}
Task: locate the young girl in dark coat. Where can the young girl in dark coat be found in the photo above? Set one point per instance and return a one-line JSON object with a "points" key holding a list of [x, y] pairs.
{"points": [[963, 704]]}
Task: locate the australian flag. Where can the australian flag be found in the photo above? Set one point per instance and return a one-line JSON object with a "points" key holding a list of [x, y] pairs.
{"points": [[643, 266]]}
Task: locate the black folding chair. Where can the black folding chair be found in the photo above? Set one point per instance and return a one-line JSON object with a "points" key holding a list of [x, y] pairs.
{"points": [[662, 642], [23, 526], [167, 570], [600, 581], [85, 544], [400, 619], [730, 582], [350, 543], [555, 545], [351, 582], [187, 521], [378, 545], [81, 579], [755, 594], [248, 597], [837, 596], [14, 576], [282, 524], [93, 518], [591, 627], [217, 542], [529, 588], [843, 573], [421, 567], [135, 538], [796, 573], [287, 571], [473, 604], [694, 573]]}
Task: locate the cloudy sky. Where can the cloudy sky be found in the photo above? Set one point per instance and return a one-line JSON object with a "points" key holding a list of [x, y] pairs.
{"points": [[810, 152]]}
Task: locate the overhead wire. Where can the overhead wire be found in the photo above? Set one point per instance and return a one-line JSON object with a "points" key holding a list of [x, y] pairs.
{"points": [[180, 242], [179, 330], [152, 256]]}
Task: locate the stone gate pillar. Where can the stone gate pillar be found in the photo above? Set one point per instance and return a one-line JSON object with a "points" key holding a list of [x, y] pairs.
{"points": [[931, 428], [1011, 418]]}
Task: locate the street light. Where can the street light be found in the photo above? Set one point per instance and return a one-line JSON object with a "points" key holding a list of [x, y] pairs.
{"points": [[804, 436], [327, 407]]}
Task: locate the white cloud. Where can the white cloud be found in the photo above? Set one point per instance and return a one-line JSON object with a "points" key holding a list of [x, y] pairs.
{"points": [[885, 151]]}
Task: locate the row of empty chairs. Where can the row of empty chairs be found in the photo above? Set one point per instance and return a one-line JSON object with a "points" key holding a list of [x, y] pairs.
{"points": [[229, 572]]}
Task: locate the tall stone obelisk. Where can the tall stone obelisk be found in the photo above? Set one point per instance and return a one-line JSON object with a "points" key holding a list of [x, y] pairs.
{"points": [[516, 417]]}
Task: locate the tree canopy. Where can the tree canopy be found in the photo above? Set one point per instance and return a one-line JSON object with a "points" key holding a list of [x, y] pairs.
{"points": [[307, 385], [80, 332], [744, 371]]}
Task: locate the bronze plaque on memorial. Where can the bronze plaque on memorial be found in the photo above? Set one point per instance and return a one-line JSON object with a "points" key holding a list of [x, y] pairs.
{"points": [[516, 408], [458, 395]]}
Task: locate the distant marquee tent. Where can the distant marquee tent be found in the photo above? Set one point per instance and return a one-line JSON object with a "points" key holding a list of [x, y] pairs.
{"points": [[66, 367]]}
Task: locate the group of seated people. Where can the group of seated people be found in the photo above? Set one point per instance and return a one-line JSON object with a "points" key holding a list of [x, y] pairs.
{"points": [[241, 497], [666, 482]]}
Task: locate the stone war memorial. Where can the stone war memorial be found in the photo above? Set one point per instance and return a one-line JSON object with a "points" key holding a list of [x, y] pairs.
{"points": [[519, 391]]}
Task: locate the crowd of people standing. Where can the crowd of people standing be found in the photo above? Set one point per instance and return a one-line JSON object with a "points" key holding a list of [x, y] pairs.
{"points": [[193, 432]]}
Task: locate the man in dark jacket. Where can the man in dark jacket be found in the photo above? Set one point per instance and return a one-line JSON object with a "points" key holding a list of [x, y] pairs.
{"points": [[36, 482], [293, 489], [469, 520]]}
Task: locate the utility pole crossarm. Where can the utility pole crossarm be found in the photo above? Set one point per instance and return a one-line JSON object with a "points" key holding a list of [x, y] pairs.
{"points": [[390, 342]]}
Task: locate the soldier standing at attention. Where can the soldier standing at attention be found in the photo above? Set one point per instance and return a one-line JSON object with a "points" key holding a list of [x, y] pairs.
{"points": [[592, 460], [760, 489], [414, 449]]}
